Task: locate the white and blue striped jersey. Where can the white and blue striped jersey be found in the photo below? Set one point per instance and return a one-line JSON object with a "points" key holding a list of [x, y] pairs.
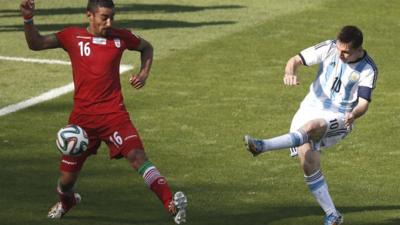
{"points": [[338, 84]]}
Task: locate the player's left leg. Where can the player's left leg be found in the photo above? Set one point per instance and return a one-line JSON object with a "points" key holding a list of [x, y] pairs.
{"points": [[292, 139], [176, 205], [310, 162], [151, 175], [312, 130], [124, 141]]}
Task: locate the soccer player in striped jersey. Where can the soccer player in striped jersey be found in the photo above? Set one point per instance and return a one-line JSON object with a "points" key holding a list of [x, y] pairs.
{"points": [[340, 93], [95, 52]]}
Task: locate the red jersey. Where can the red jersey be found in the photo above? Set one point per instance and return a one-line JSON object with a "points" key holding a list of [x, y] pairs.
{"points": [[95, 67]]}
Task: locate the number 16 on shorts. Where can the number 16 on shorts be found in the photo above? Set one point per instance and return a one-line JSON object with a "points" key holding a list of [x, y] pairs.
{"points": [[116, 139]]}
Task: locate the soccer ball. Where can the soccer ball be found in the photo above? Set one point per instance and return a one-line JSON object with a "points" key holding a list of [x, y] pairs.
{"points": [[72, 140]]}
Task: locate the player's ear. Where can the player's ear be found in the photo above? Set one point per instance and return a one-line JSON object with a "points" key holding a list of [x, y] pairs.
{"points": [[89, 14]]}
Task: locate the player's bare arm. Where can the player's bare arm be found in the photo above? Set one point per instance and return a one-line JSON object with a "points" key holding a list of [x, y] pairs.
{"points": [[360, 109], [146, 56], [291, 68], [35, 40]]}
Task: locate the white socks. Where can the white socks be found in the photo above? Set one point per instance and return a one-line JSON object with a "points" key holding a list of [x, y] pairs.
{"points": [[318, 187], [292, 139]]}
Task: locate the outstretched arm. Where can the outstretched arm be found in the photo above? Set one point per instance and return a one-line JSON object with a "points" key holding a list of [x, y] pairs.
{"points": [[291, 68], [35, 41], [146, 57]]}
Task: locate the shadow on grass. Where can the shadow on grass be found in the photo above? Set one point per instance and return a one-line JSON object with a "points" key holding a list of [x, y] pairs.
{"points": [[268, 215], [125, 8], [391, 221], [153, 215], [110, 219], [132, 24], [122, 194]]}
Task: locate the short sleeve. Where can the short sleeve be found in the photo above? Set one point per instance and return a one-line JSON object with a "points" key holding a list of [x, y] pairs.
{"points": [[368, 77], [63, 37], [132, 40], [317, 53]]}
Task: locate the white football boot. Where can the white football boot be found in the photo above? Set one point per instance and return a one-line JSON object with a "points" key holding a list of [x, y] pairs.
{"points": [[57, 211], [178, 207]]}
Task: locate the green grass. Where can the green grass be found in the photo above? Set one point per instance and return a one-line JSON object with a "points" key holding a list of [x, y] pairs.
{"points": [[210, 85]]}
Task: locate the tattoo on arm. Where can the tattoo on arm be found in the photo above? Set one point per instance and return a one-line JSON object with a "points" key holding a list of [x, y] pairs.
{"points": [[50, 41]]}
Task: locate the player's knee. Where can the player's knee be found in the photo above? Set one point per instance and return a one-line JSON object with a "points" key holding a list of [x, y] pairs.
{"points": [[136, 158], [315, 128], [302, 151]]}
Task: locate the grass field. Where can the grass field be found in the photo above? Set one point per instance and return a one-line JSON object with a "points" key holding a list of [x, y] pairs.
{"points": [[217, 75]]}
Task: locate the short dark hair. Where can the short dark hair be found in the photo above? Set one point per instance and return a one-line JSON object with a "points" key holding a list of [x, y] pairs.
{"points": [[94, 4], [351, 34]]}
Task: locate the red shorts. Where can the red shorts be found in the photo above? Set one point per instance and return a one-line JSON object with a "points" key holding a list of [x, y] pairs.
{"points": [[115, 129]]}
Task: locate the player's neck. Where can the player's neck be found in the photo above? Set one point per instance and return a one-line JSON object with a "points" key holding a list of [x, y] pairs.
{"points": [[90, 31], [360, 55]]}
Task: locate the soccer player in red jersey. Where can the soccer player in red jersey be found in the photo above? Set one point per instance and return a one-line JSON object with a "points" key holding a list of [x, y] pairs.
{"points": [[95, 53]]}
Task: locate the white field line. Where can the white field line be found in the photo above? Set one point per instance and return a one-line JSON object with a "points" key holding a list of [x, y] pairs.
{"points": [[53, 93], [42, 61]]}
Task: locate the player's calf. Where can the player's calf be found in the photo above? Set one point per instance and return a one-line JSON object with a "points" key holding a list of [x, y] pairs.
{"points": [[175, 205]]}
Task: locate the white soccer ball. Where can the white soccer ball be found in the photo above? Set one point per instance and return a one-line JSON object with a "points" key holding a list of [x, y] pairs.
{"points": [[72, 140]]}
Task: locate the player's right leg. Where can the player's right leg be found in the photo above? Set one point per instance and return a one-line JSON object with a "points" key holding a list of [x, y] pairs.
{"points": [[310, 162], [67, 196], [69, 170]]}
